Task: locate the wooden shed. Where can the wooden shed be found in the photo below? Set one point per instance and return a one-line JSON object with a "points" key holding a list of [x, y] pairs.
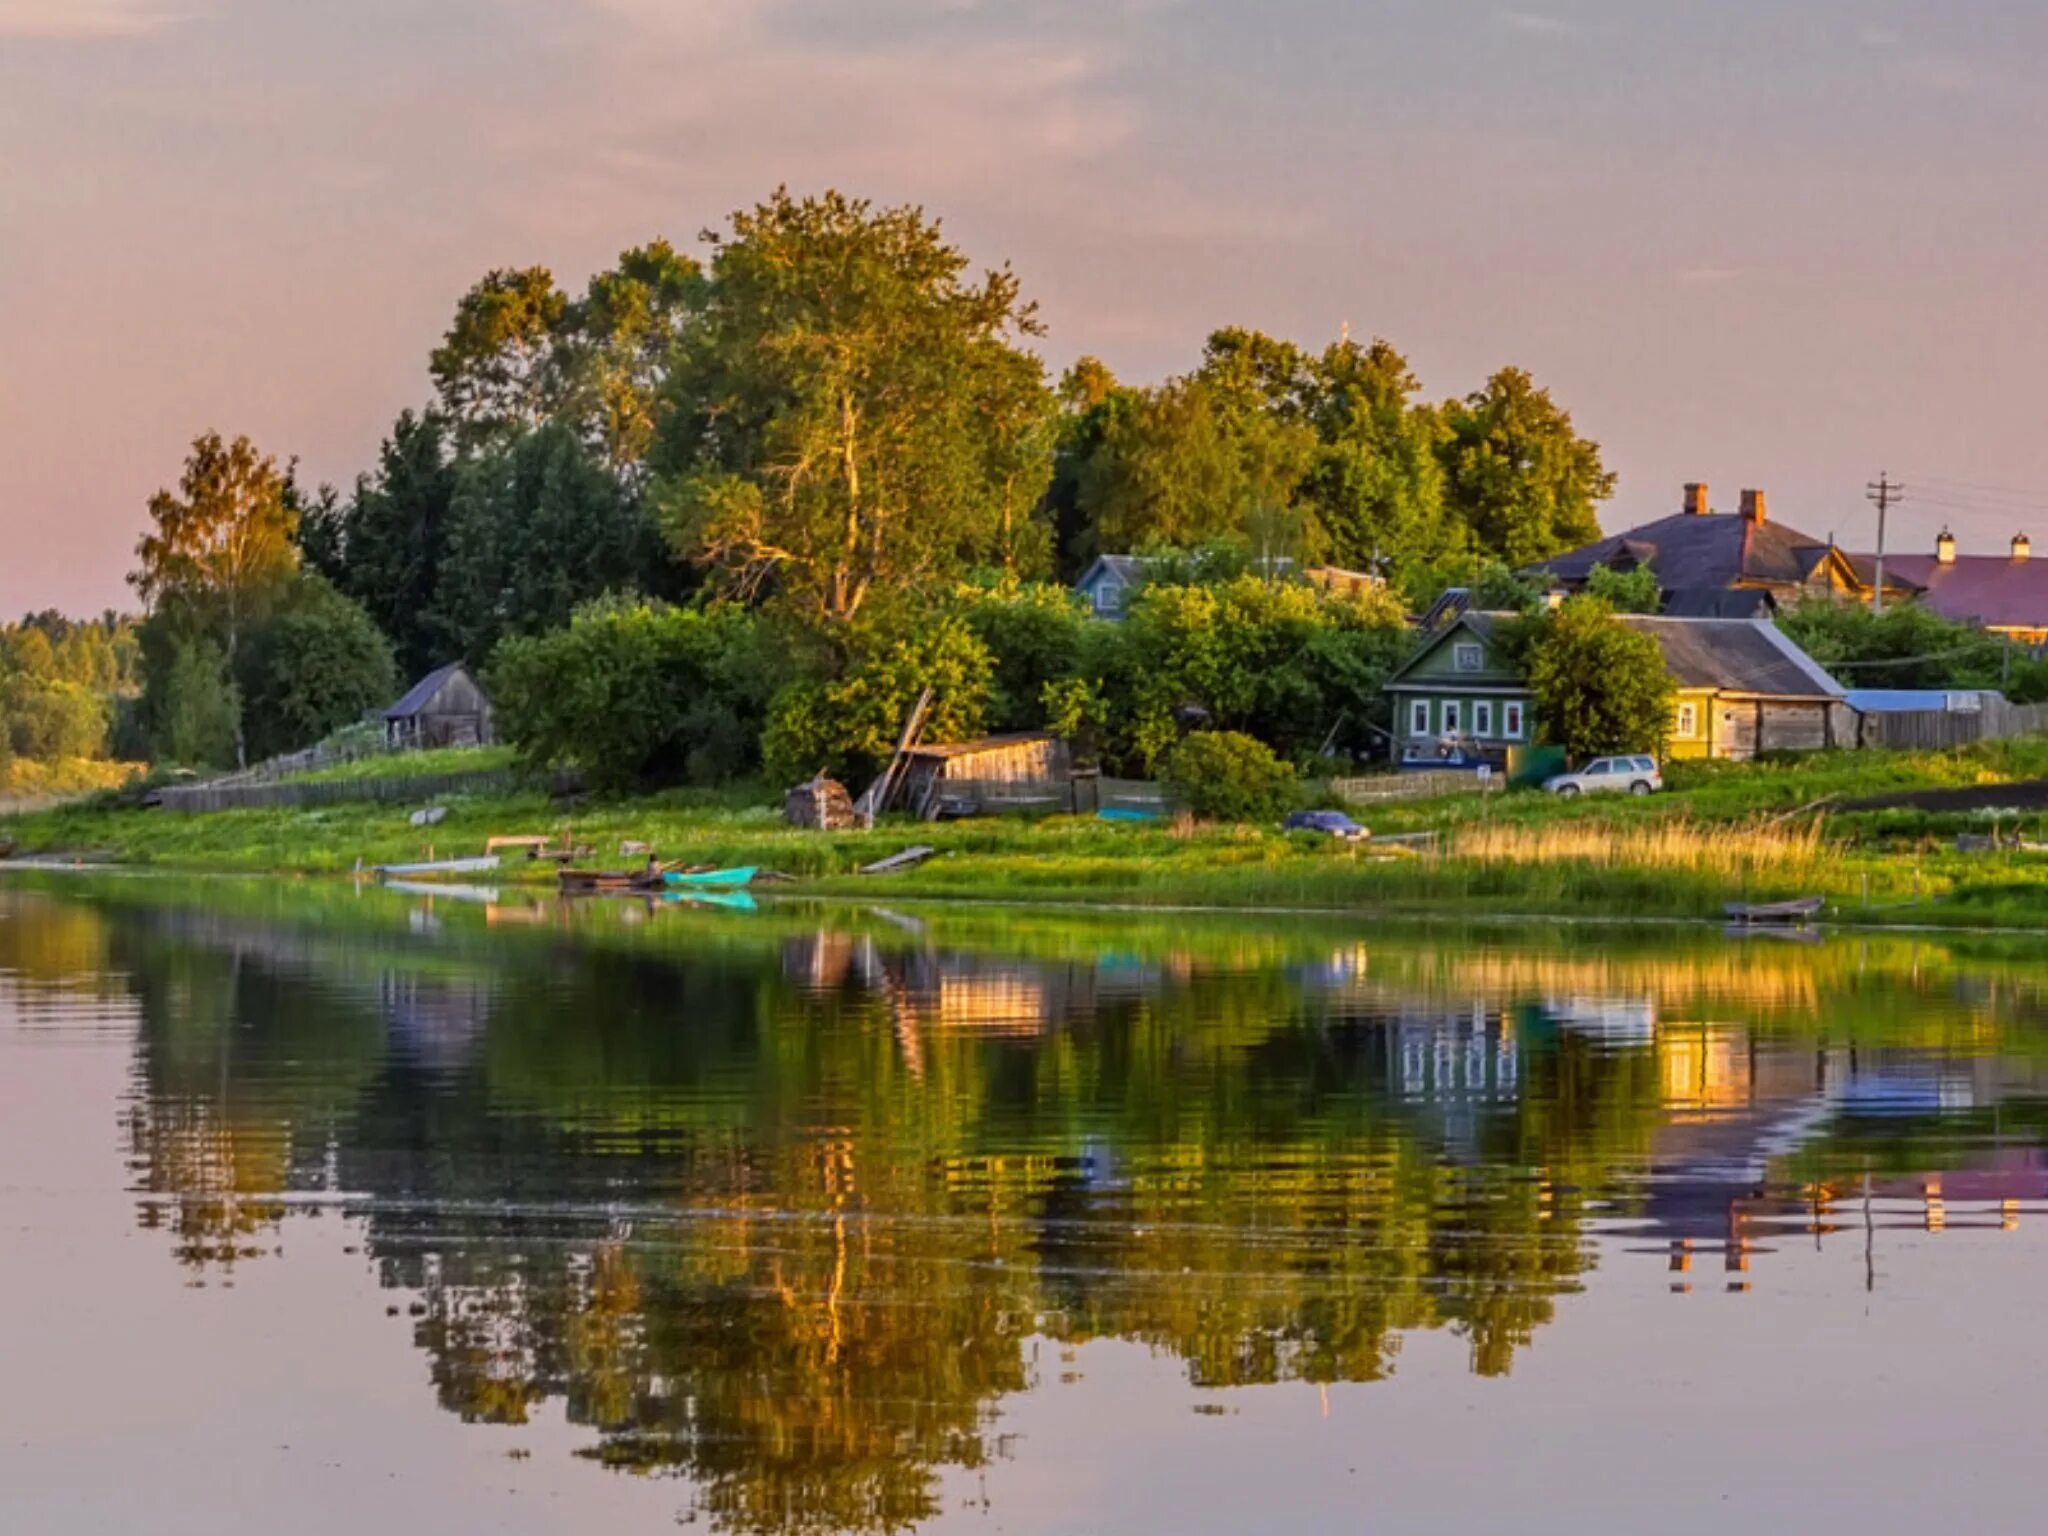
{"points": [[962, 775], [446, 708]]}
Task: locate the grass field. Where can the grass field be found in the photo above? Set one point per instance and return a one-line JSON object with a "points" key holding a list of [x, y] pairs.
{"points": [[1724, 832]]}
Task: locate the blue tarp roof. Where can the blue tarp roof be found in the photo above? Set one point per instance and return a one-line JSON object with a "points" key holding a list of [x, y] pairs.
{"points": [[1886, 701]]}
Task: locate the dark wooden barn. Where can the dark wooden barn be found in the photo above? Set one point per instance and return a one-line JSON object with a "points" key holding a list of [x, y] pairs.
{"points": [[446, 708]]}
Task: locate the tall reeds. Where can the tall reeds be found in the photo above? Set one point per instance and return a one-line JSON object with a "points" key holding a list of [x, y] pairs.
{"points": [[1681, 845]]}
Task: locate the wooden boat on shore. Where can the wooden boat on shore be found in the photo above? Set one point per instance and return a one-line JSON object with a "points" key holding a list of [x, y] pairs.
{"points": [[475, 866], [613, 882], [1775, 913], [712, 879]]}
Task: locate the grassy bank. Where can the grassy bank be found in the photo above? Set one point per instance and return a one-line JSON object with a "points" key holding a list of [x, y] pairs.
{"points": [[1725, 832]]}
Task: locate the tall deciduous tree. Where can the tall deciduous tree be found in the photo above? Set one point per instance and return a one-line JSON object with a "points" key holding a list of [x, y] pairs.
{"points": [[851, 413], [1521, 478], [1598, 685], [222, 546], [496, 371]]}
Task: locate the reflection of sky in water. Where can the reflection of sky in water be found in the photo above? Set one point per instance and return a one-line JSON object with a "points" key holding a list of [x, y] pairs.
{"points": [[318, 1218]]}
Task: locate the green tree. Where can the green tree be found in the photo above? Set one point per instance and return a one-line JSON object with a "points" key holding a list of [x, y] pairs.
{"points": [[1225, 776], [1036, 635], [317, 664], [849, 415], [222, 548], [1906, 646], [1189, 463], [635, 692], [1279, 661], [1377, 484], [847, 723], [537, 527], [387, 545], [196, 717], [1598, 686], [1633, 591], [496, 372], [1517, 474]]}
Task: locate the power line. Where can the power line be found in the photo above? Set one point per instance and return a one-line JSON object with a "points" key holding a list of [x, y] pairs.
{"points": [[1885, 494]]}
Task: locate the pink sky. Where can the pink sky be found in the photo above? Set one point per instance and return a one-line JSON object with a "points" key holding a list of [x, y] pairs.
{"points": [[1757, 244]]}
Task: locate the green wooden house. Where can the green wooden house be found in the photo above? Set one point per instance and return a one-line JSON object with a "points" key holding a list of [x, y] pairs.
{"points": [[1458, 701]]}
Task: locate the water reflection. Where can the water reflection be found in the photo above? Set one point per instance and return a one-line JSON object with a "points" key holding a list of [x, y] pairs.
{"points": [[792, 1203]]}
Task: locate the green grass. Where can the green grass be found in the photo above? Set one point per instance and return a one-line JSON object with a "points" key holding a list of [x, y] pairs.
{"points": [[412, 765], [1615, 856]]}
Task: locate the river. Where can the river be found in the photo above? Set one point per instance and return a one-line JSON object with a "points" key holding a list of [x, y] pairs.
{"points": [[327, 1210]]}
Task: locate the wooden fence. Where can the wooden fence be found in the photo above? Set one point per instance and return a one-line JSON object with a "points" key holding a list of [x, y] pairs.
{"points": [[1935, 729], [190, 799], [1386, 787], [1083, 795]]}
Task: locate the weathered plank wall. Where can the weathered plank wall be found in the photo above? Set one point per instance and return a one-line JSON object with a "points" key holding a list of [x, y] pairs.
{"points": [[1935, 729]]}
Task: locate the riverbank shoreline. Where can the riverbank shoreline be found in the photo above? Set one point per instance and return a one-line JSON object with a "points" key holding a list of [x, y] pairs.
{"points": [[1726, 833]]}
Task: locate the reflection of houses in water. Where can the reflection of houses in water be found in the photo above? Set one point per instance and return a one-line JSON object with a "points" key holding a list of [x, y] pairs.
{"points": [[1451, 1058], [1738, 1107], [438, 1021]]}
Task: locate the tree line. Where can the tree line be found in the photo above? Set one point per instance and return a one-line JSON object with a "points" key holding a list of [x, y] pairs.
{"points": [[830, 423], [65, 688]]}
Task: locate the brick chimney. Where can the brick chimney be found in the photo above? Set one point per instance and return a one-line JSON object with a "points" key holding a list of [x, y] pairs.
{"points": [[2022, 547], [1753, 510], [1696, 499], [1945, 548]]}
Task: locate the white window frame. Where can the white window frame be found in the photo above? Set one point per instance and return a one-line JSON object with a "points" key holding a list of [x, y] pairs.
{"points": [[1514, 720], [1688, 721], [1468, 656], [1452, 713], [1418, 717], [1482, 718]]}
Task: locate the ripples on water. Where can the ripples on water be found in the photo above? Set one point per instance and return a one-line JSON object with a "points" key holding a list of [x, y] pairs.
{"points": [[805, 1206]]}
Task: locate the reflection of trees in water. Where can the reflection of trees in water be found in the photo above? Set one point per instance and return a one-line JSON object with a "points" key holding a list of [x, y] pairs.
{"points": [[787, 1219]]}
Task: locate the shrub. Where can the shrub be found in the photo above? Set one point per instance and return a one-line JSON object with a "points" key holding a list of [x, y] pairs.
{"points": [[1598, 685], [635, 692], [1228, 776], [847, 722], [319, 663]]}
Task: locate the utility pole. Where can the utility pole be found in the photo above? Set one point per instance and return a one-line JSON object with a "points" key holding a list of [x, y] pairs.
{"points": [[1886, 495]]}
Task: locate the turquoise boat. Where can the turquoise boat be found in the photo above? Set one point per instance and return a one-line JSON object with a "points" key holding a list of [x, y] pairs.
{"points": [[713, 879]]}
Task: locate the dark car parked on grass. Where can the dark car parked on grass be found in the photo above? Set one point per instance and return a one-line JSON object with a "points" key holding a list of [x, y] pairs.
{"points": [[1327, 823]]}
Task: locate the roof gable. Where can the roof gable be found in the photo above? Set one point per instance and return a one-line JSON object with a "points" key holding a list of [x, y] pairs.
{"points": [[1735, 656], [423, 692]]}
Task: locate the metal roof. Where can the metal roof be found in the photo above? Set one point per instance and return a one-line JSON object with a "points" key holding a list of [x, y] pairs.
{"points": [[1735, 656], [421, 693]]}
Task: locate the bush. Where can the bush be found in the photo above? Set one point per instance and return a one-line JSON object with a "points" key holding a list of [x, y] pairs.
{"points": [[1598, 685], [635, 692], [846, 724], [319, 663], [1228, 776]]}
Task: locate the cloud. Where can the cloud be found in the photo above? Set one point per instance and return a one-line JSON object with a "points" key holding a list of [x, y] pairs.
{"points": [[84, 20], [1534, 22]]}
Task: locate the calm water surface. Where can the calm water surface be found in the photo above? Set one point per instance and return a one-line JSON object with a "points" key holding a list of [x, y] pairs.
{"points": [[325, 1211]]}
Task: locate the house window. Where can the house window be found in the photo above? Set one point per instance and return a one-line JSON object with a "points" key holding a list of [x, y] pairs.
{"points": [[1482, 718], [1470, 658], [1453, 717], [1418, 718], [1511, 722], [1688, 720]]}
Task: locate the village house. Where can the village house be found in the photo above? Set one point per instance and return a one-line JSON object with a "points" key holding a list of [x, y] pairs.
{"points": [[1743, 688], [446, 708], [1723, 565], [2006, 594]]}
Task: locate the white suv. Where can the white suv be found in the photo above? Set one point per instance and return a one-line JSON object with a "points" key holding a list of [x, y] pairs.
{"points": [[1637, 775]]}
